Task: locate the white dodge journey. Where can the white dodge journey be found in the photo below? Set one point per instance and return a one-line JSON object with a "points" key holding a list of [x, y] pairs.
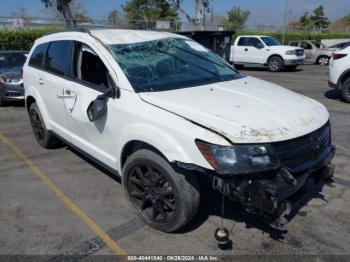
{"points": [[165, 113]]}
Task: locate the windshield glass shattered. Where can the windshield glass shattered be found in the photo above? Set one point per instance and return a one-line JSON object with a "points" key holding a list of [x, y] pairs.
{"points": [[171, 63]]}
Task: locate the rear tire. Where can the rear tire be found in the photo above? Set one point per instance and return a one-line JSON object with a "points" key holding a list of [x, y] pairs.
{"points": [[1, 102], [275, 64], [323, 60], [45, 138], [345, 90], [163, 199]]}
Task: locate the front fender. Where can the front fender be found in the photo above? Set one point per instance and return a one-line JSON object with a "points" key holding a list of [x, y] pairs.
{"points": [[156, 137]]}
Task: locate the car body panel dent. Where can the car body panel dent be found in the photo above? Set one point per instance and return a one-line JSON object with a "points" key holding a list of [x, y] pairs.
{"points": [[247, 110]]}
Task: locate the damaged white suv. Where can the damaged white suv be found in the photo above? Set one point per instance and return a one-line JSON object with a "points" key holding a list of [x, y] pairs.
{"points": [[164, 112]]}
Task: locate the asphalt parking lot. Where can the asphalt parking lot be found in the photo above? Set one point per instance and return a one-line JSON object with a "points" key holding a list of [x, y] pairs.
{"points": [[56, 202]]}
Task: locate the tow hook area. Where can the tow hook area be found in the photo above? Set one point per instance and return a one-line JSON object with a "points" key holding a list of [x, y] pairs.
{"points": [[272, 196]]}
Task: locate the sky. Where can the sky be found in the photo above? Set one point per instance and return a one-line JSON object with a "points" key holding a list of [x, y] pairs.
{"points": [[263, 12]]}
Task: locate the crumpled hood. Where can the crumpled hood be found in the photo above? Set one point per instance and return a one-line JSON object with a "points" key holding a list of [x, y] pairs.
{"points": [[247, 110]]}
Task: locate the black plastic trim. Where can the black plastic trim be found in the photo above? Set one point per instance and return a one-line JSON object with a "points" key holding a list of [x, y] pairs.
{"points": [[90, 157]]}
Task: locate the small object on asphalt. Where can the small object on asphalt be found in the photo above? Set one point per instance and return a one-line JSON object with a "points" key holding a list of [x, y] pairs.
{"points": [[222, 236]]}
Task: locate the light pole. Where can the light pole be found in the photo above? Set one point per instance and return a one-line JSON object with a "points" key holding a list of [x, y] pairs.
{"points": [[285, 21]]}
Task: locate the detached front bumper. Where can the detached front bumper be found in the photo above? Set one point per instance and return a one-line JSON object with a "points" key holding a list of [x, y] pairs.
{"points": [[269, 193]]}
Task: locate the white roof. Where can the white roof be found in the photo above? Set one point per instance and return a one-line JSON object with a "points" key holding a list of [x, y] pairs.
{"points": [[121, 36]]}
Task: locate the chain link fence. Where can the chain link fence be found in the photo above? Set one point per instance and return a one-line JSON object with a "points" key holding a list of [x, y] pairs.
{"points": [[10, 23]]}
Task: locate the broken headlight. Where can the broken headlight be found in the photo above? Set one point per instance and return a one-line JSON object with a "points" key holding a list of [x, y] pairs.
{"points": [[239, 159]]}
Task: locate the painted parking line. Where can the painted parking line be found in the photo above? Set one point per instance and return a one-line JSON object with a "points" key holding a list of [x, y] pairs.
{"points": [[95, 244], [107, 239]]}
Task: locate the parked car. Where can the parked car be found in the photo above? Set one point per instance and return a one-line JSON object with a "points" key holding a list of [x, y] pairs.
{"points": [[315, 52], [339, 46], [339, 72], [11, 83], [164, 112], [265, 51]]}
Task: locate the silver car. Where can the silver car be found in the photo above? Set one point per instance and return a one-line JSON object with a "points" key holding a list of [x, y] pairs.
{"points": [[11, 82], [315, 52]]}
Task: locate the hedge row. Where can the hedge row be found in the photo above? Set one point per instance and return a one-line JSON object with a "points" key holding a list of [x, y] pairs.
{"points": [[20, 39], [24, 39]]}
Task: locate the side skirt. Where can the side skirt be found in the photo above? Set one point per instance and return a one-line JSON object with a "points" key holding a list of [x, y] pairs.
{"points": [[90, 157]]}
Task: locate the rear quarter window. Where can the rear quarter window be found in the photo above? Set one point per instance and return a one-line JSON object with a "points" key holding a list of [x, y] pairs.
{"points": [[38, 54], [57, 57]]}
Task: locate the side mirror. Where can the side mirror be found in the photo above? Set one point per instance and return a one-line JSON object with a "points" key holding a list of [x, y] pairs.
{"points": [[259, 45], [97, 108]]}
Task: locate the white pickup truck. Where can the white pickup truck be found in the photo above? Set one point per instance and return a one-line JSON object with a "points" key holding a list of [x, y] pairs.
{"points": [[258, 50]]}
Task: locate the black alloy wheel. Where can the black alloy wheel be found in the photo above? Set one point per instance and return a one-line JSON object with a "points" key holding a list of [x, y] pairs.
{"points": [[37, 125], [45, 138], [162, 197], [151, 194]]}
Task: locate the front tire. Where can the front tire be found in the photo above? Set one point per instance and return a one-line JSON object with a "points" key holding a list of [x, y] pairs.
{"points": [[163, 199], [41, 134], [275, 64], [345, 90]]}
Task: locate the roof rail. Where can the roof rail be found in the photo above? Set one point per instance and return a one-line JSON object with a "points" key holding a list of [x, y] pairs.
{"points": [[78, 29]]}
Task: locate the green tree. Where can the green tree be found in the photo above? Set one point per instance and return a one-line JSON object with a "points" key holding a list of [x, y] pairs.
{"points": [[64, 8], [319, 21], [346, 19], [305, 21], [137, 11], [236, 18]]}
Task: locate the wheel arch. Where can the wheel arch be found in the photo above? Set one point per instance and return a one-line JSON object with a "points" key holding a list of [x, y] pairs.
{"points": [[29, 101], [345, 75], [272, 55], [170, 145], [321, 55], [134, 145]]}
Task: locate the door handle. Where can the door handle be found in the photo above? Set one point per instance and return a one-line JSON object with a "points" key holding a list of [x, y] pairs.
{"points": [[67, 94], [245, 49], [40, 81]]}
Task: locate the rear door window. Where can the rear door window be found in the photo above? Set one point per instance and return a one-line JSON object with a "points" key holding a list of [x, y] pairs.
{"points": [[253, 41], [306, 45], [57, 57], [242, 41], [36, 59]]}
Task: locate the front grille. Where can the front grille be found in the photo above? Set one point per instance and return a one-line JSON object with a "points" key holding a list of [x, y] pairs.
{"points": [[13, 94], [303, 153], [300, 52]]}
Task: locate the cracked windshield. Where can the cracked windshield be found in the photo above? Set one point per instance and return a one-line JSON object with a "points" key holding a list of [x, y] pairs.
{"points": [[171, 63]]}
